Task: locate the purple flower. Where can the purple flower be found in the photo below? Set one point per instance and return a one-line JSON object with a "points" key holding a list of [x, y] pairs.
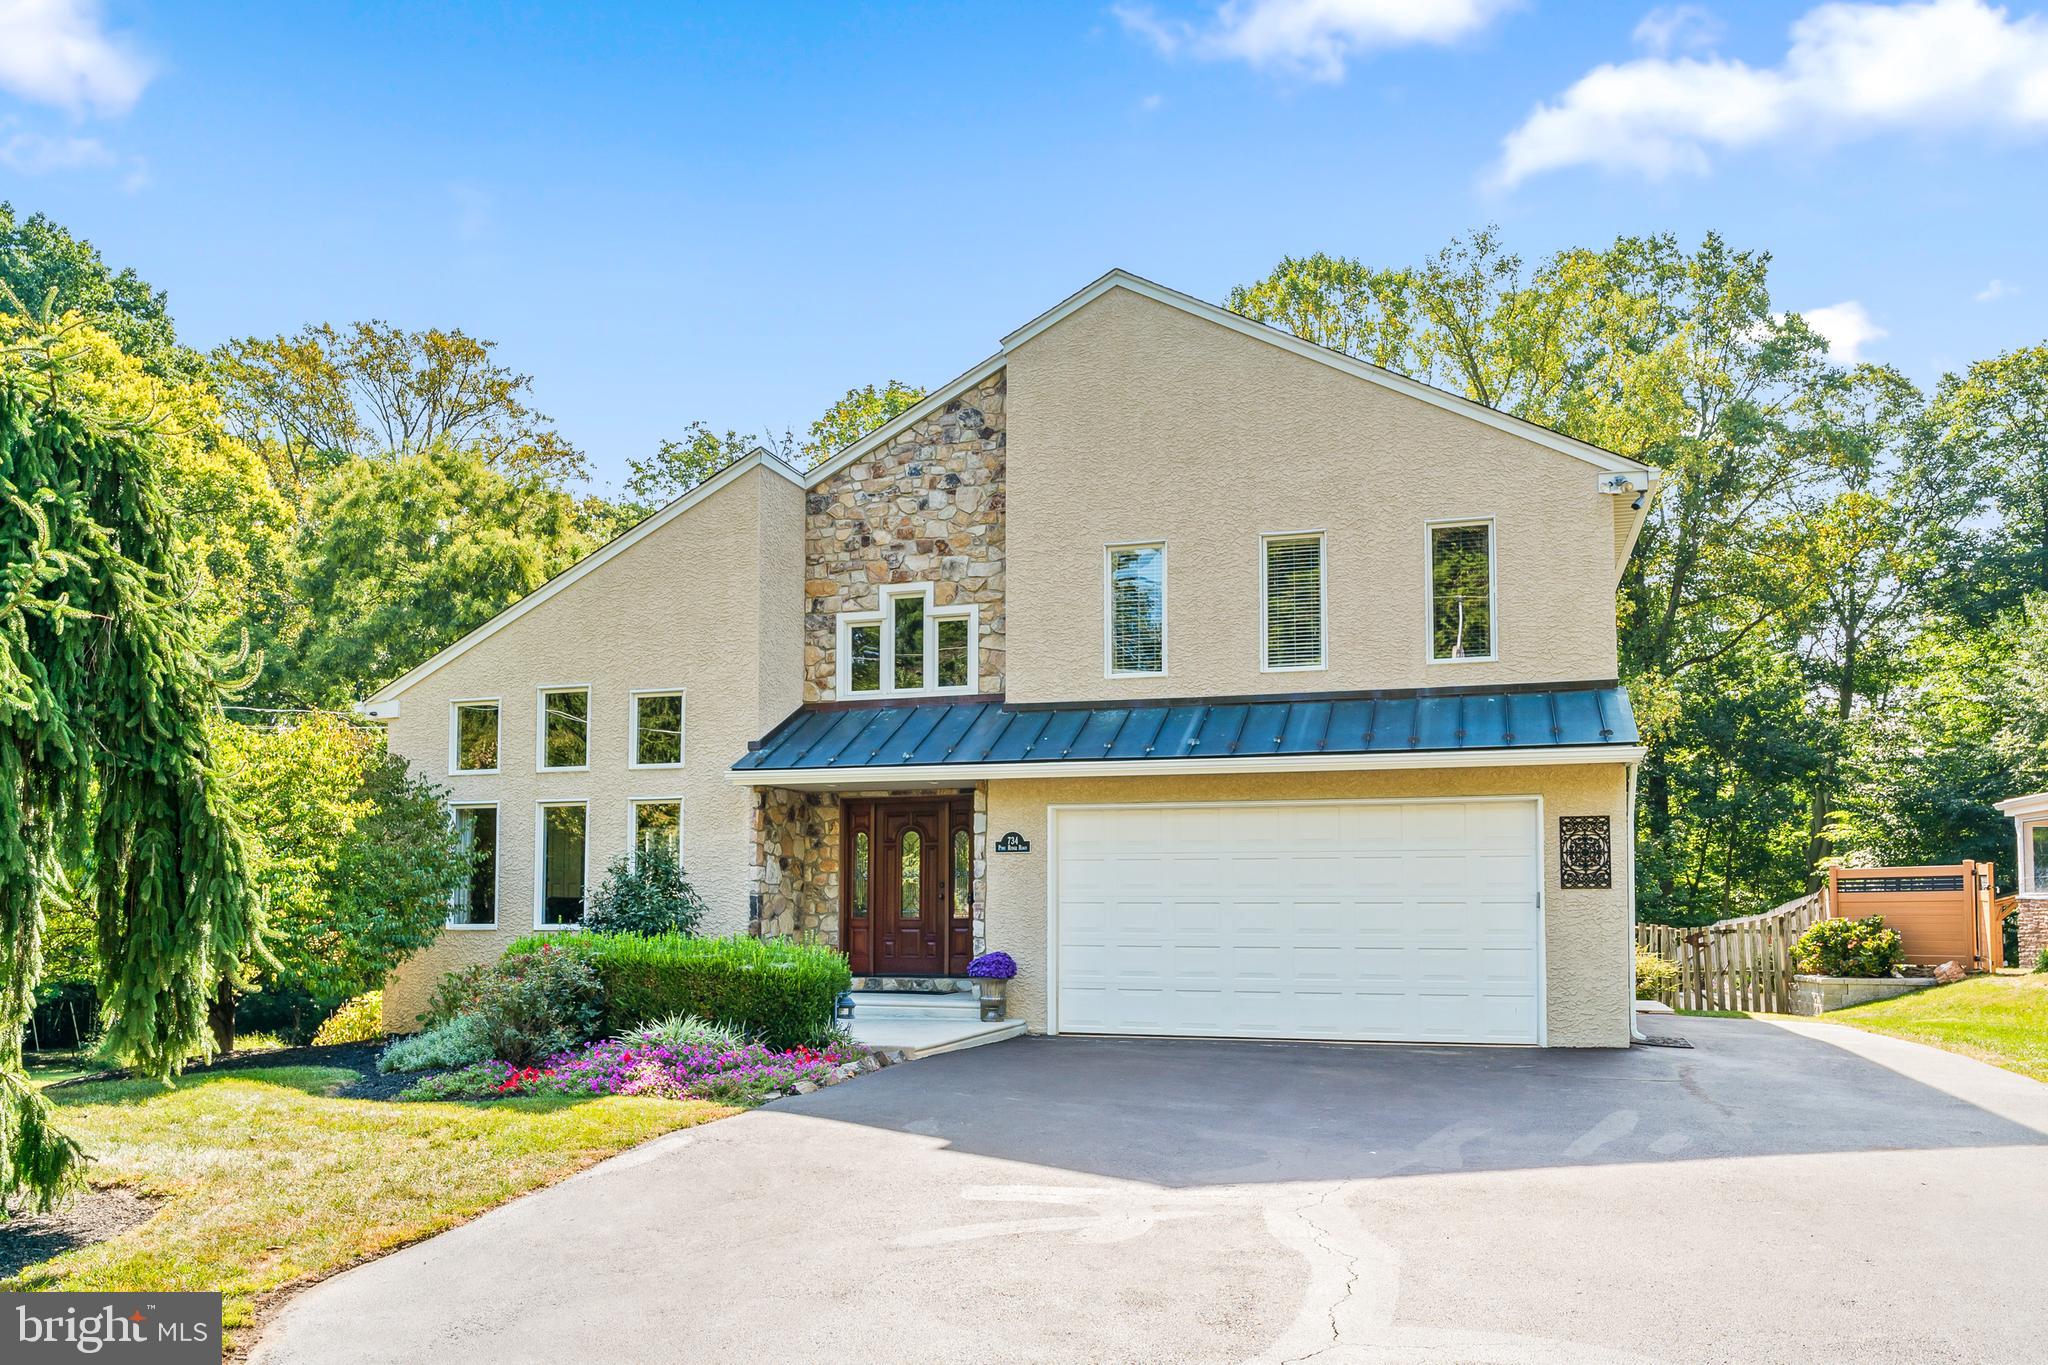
{"points": [[993, 967]]}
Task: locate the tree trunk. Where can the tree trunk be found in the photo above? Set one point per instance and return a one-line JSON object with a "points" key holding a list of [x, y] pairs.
{"points": [[220, 1017]]}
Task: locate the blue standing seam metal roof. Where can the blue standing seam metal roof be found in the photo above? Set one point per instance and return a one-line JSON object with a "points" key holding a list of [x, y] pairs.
{"points": [[980, 730]]}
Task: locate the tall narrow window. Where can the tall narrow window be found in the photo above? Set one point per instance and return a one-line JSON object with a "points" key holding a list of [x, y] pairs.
{"points": [[563, 831], [963, 874], [1461, 592], [954, 640], [865, 664], [909, 616], [860, 875], [565, 728], [658, 824], [1294, 602], [1137, 609], [657, 729], [2039, 834], [476, 900], [476, 737], [911, 905]]}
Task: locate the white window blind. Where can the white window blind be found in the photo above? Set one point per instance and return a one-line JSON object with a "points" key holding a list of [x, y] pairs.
{"points": [[1294, 602], [1137, 609]]}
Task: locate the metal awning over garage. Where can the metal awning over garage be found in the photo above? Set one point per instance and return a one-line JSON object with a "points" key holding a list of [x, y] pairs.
{"points": [[974, 737]]}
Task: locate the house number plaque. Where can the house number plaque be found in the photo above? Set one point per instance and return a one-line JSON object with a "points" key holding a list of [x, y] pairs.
{"points": [[1013, 842]]}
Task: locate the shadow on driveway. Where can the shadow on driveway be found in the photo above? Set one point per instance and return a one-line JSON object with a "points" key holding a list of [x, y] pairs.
{"points": [[1187, 1113]]}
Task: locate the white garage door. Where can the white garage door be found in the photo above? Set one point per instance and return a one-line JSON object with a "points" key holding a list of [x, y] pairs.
{"points": [[1394, 921]]}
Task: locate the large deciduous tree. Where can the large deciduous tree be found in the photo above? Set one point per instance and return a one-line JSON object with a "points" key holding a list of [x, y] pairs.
{"points": [[356, 858], [105, 693], [398, 558], [324, 396]]}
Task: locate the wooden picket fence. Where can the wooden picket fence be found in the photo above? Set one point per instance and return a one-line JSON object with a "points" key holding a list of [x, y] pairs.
{"points": [[1737, 964]]}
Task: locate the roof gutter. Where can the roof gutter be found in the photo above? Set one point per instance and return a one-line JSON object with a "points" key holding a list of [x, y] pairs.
{"points": [[1530, 756]]}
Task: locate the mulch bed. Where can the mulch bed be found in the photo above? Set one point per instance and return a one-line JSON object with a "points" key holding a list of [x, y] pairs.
{"points": [[87, 1217], [361, 1058]]}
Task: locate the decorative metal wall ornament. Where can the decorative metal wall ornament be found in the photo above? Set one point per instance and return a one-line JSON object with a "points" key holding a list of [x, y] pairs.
{"points": [[1585, 853]]}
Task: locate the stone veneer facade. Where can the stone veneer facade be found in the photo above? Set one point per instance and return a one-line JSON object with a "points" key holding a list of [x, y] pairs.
{"points": [[927, 507], [2032, 913], [796, 863]]}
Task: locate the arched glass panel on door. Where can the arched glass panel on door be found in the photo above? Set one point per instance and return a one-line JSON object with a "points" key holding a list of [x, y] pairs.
{"points": [[911, 905], [860, 875]]}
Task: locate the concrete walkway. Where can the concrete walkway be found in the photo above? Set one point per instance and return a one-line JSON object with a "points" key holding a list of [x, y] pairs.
{"points": [[1777, 1193]]}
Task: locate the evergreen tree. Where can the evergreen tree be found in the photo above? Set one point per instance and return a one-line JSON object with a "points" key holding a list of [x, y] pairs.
{"points": [[105, 691]]}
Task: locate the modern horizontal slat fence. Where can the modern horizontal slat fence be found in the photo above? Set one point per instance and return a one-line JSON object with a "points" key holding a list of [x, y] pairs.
{"points": [[1737, 964]]}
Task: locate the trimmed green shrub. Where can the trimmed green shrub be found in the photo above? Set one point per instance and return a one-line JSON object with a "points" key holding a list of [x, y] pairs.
{"points": [[2041, 962], [1656, 977], [360, 1020], [460, 1041], [530, 1004], [646, 894], [1848, 947], [779, 991]]}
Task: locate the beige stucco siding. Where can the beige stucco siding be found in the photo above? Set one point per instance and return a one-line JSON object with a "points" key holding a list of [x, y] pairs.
{"points": [[1587, 940], [710, 603], [1134, 421]]}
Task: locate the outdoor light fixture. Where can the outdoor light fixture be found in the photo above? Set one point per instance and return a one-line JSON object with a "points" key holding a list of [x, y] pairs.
{"points": [[842, 1008]]}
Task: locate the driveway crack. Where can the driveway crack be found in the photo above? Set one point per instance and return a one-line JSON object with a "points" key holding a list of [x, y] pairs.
{"points": [[1349, 1260]]}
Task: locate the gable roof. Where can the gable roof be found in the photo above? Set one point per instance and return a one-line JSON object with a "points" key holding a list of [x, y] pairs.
{"points": [[1604, 460], [759, 457]]}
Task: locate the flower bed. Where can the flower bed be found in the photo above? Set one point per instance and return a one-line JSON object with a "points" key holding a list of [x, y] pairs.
{"points": [[742, 1075]]}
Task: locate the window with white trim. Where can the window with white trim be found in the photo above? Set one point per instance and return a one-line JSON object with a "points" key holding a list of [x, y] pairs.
{"points": [[1461, 592], [1291, 610], [658, 823], [909, 645], [565, 728], [563, 866], [657, 738], [1135, 605], [475, 904], [473, 737]]}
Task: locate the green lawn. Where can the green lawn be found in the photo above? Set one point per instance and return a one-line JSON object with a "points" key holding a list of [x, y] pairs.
{"points": [[267, 1179], [2000, 1019]]}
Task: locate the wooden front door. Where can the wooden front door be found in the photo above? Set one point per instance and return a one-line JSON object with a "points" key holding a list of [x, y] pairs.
{"points": [[906, 886]]}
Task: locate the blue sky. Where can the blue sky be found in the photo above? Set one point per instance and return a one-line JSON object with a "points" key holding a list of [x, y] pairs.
{"points": [[670, 212]]}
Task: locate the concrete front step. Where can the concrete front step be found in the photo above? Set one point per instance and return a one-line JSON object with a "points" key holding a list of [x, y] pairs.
{"points": [[957, 1005], [929, 1037]]}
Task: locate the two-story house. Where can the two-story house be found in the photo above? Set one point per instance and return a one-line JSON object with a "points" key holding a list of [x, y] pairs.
{"points": [[1233, 686]]}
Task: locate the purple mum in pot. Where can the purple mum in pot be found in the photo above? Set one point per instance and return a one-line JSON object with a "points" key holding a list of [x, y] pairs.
{"points": [[993, 967]]}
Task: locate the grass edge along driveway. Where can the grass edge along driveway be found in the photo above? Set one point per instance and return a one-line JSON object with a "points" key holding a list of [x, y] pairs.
{"points": [[268, 1180], [2001, 1019]]}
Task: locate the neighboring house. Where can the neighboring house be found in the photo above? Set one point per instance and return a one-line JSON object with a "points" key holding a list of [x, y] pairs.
{"points": [[1235, 687], [2030, 822]]}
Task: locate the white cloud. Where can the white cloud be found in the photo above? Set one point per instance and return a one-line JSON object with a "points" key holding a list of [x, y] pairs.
{"points": [[1850, 69], [33, 153], [1312, 38], [1677, 28], [1995, 290], [1847, 327], [1152, 104], [57, 52]]}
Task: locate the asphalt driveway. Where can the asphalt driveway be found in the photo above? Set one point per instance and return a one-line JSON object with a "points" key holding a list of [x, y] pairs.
{"points": [[1795, 1193]]}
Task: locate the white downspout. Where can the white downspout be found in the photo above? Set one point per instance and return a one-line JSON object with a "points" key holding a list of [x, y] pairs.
{"points": [[1635, 1034]]}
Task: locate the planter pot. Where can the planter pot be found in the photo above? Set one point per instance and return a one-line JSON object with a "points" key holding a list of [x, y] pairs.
{"points": [[1819, 994], [994, 1000]]}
